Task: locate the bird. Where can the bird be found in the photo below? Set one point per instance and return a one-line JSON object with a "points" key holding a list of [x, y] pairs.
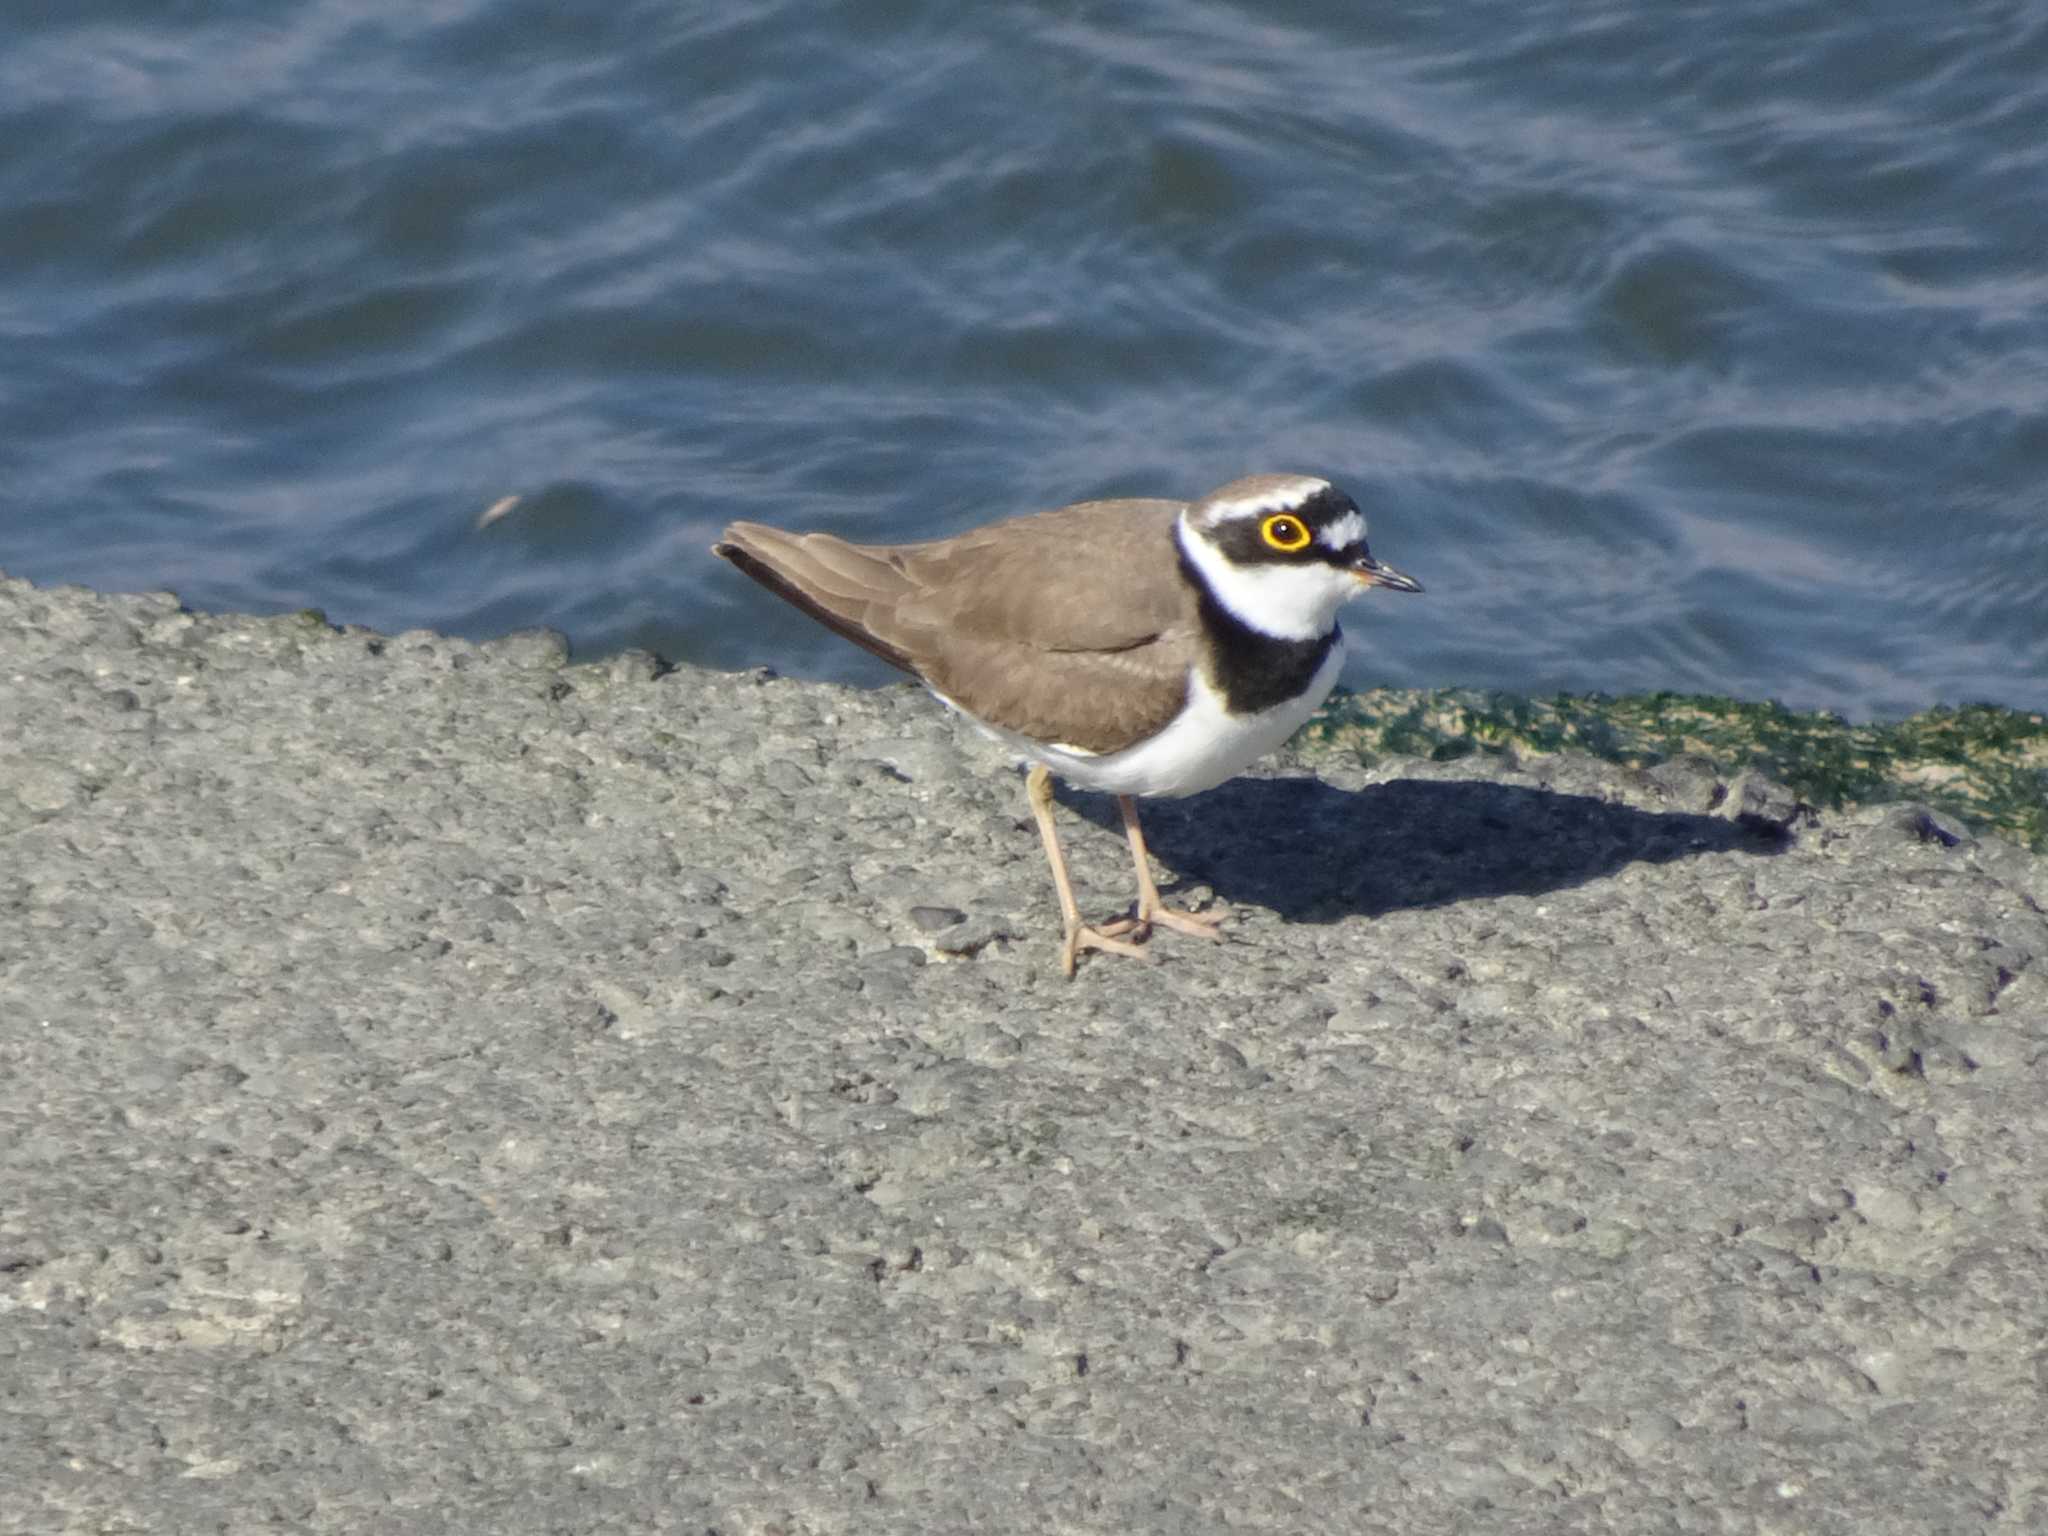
{"points": [[1141, 647]]}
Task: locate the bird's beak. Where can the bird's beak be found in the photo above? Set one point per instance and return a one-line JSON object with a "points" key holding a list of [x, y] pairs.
{"points": [[1373, 573]]}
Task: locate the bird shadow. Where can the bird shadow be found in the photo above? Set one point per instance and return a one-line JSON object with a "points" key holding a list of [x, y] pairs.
{"points": [[1314, 853]]}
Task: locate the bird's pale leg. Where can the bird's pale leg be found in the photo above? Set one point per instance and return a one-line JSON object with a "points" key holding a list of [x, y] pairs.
{"points": [[1150, 908], [1038, 788]]}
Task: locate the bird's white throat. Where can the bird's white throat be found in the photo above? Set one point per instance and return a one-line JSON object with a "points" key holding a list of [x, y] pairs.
{"points": [[1288, 602]]}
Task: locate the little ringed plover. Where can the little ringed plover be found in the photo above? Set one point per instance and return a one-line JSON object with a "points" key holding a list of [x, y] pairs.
{"points": [[1137, 647]]}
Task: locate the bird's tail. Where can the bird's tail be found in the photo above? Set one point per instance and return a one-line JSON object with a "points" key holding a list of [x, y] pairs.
{"points": [[845, 587]]}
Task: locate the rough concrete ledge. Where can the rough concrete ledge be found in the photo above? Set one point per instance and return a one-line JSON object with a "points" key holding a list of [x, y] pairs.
{"points": [[446, 1089]]}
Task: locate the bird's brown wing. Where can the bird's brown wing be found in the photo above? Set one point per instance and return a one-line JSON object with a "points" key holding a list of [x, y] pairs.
{"points": [[1072, 626]]}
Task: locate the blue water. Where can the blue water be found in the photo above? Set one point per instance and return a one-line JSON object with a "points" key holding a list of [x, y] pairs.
{"points": [[1696, 346]]}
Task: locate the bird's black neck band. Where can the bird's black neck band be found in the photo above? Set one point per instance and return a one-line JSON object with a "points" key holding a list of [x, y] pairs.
{"points": [[1250, 668]]}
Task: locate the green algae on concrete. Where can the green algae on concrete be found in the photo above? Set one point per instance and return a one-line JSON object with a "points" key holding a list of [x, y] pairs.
{"points": [[1983, 763]]}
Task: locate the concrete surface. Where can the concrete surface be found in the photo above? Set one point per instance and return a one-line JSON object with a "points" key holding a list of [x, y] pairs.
{"points": [[445, 1090]]}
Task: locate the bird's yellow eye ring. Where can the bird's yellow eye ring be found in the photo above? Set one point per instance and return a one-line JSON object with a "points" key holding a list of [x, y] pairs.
{"points": [[1286, 533]]}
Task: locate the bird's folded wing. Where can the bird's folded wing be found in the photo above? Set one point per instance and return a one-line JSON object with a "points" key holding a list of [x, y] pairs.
{"points": [[1095, 701], [1100, 576], [1073, 626]]}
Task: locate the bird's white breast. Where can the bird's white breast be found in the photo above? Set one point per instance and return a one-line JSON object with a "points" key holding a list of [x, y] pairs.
{"points": [[1204, 745]]}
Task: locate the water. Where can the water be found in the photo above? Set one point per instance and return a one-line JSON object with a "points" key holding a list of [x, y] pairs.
{"points": [[1694, 346]]}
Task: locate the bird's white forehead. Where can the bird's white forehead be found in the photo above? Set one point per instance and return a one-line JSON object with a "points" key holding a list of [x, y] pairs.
{"points": [[1277, 495]]}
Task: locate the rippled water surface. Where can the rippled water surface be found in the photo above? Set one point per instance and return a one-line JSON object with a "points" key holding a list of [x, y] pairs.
{"points": [[1696, 346]]}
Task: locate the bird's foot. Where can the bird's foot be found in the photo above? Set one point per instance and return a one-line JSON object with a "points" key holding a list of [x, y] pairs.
{"points": [[1081, 937], [1200, 925]]}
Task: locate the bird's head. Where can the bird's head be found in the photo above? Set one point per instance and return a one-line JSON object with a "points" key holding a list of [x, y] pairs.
{"points": [[1283, 553]]}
